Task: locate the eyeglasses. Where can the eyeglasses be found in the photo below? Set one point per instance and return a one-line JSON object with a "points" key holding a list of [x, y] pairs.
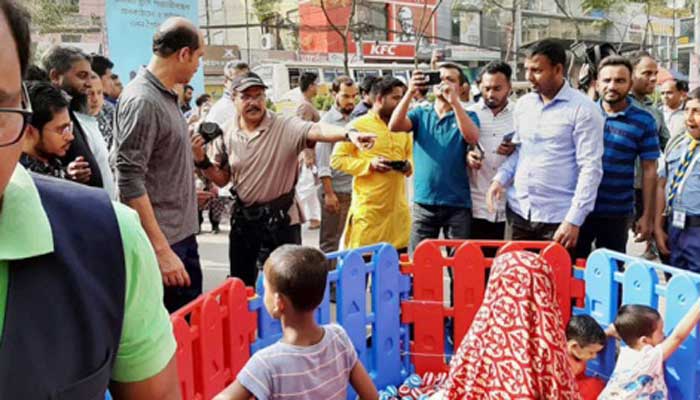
{"points": [[13, 121], [65, 131]]}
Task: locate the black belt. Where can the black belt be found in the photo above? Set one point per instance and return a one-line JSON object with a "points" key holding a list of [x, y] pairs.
{"points": [[691, 221], [259, 210]]}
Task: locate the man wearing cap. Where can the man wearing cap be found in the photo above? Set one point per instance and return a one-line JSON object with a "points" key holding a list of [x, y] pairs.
{"points": [[224, 109], [258, 155]]}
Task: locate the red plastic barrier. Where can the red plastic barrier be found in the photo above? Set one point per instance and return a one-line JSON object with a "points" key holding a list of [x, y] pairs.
{"points": [[427, 312], [215, 344]]}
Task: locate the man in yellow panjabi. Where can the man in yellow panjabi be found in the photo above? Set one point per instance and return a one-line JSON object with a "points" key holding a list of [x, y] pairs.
{"points": [[379, 210]]}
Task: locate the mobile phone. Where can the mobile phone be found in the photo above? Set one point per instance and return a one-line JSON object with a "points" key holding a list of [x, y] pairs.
{"points": [[432, 78], [508, 137], [398, 165], [209, 131]]}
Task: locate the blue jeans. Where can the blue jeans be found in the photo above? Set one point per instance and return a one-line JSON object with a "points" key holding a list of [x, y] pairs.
{"points": [[685, 248], [175, 297]]}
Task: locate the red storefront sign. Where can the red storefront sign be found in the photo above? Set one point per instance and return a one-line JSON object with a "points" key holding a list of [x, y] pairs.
{"points": [[388, 50]]}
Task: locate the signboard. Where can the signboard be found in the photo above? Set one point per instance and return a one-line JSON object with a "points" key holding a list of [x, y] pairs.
{"points": [[388, 50], [130, 28], [216, 57]]}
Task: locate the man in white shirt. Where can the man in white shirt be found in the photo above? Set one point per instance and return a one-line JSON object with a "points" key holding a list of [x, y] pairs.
{"points": [[495, 114], [223, 110], [672, 95]]}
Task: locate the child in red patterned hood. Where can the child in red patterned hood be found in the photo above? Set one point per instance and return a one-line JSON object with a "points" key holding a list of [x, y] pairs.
{"points": [[515, 347]]}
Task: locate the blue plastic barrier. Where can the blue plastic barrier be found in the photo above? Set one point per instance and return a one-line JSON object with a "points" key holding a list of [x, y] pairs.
{"points": [[640, 284], [386, 354]]}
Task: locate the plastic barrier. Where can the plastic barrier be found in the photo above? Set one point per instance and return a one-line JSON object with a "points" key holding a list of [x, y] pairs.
{"points": [[402, 330], [228, 325], [215, 344], [641, 284], [426, 310]]}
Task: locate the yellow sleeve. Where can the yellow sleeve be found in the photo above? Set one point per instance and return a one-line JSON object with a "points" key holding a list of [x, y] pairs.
{"points": [[346, 158]]}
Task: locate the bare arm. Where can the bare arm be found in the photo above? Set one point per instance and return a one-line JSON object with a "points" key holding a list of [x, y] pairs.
{"points": [[645, 225], [399, 121], [469, 130], [163, 386], [681, 331], [649, 188], [171, 267], [362, 383], [323, 132], [234, 391]]}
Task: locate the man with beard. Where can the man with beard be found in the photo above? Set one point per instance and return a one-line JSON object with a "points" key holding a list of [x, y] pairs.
{"points": [[379, 208], [553, 176], [50, 132], [629, 132], [69, 70], [153, 159], [258, 155], [442, 201], [644, 79], [495, 113], [336, 190]]}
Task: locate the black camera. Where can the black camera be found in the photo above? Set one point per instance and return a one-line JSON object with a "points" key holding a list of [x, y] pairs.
{"points": [[209, 131]]}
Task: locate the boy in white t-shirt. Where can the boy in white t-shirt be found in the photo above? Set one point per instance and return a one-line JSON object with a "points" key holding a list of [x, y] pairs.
{"points": [[639, 371]]}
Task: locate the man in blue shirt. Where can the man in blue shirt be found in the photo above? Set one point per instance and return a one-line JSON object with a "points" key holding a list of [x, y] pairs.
{"points": [[442, 200], [630, 132], [678, 194], [553, 177]]}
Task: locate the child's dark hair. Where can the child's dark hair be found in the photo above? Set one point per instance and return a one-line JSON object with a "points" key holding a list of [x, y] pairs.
{"points": [[585, 331], [634, 321], [299, 273]]}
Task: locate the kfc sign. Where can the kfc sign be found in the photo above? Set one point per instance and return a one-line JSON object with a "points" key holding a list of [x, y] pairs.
{"points": [[388, 50]]}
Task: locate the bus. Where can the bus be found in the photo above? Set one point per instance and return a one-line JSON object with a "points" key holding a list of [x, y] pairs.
{"points": [[283, 77]]}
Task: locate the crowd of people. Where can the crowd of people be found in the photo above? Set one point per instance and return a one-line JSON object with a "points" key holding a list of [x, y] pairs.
{"points": [[106, 224]]}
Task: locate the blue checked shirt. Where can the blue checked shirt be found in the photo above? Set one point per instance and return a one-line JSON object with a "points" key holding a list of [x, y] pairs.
{"points": [[555, 173]]}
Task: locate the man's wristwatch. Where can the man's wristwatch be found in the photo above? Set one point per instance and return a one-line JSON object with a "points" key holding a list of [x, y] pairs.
{"points": [[204, 164]]}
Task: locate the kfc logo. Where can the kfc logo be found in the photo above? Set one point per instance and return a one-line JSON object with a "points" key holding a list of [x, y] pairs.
{"points": [[388, 50], [383, 50]]}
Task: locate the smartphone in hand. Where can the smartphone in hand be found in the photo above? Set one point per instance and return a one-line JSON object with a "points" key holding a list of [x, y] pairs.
{"points": [[432, 78], [508, 137], [397, 165]]}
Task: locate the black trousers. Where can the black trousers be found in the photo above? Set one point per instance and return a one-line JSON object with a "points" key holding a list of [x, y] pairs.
{"points": [[608, 232], [519, 228], [483, 229], [176, 297], [251, 244]]}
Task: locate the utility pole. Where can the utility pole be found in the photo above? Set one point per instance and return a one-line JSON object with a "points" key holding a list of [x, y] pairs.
{"points": [[695, 57], [247, 32], [518, 26]]}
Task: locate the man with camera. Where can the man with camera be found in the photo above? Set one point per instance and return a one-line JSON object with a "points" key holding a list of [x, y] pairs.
{"points": [[442, 201], [257, 153]]}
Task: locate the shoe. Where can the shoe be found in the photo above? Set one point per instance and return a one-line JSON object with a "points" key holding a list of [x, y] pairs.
{"points": [[215, 229], [314, 224]]}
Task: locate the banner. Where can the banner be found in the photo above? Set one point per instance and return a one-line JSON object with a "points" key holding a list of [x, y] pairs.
{"points": [[130, 28]]}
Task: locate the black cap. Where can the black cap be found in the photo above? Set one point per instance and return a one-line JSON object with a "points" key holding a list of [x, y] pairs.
{"points": [[247, 81]]}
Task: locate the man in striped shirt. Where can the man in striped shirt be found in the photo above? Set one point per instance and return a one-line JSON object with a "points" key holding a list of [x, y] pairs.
{"points": [[630, 132]]}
